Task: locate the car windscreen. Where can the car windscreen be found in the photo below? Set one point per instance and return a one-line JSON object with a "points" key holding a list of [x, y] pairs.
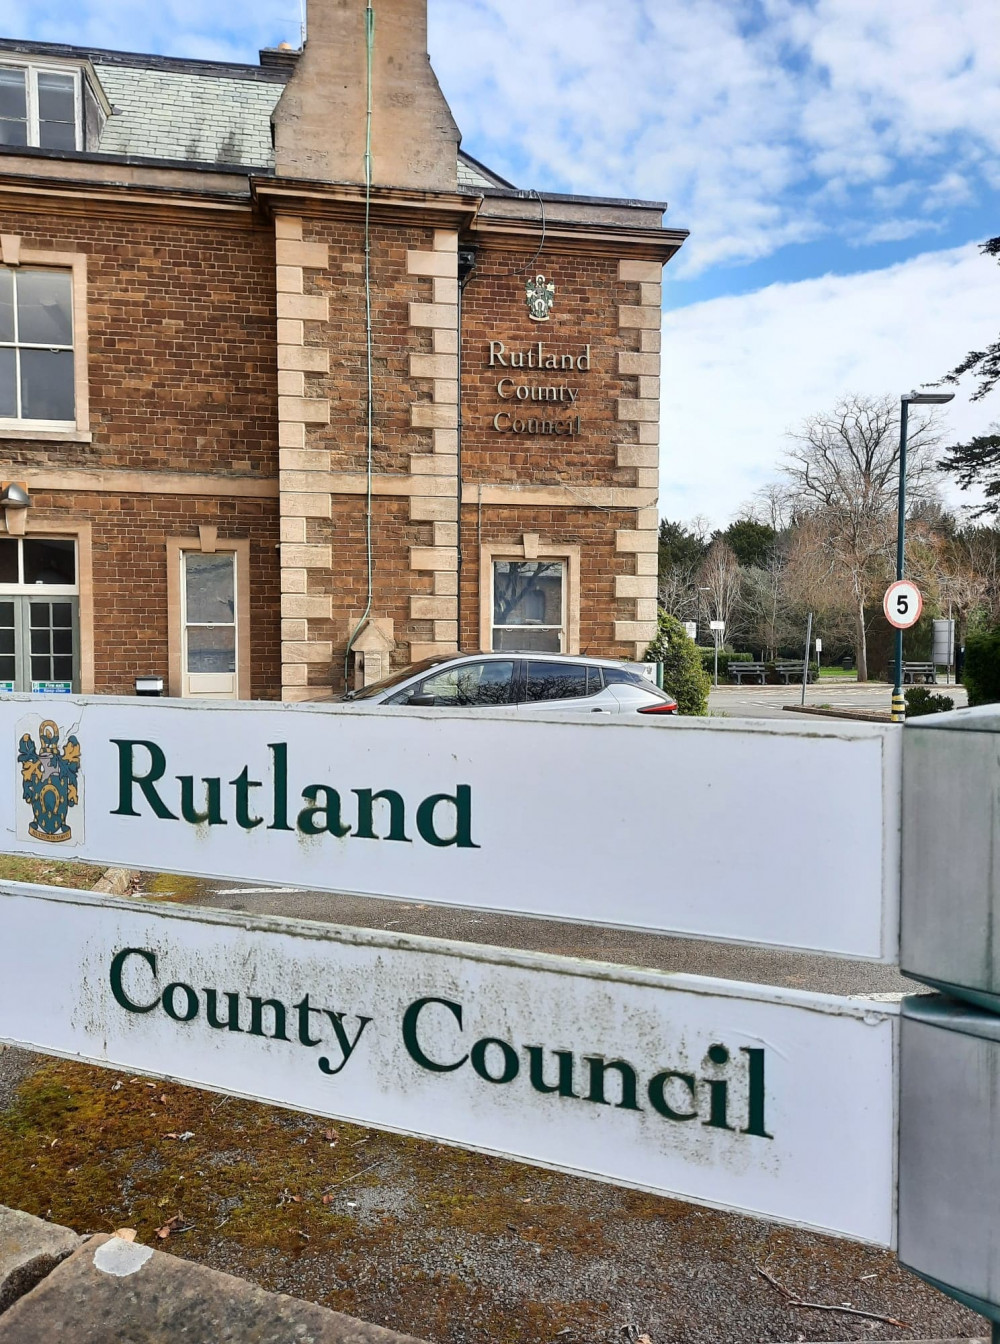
{"points": [[400, 675]]}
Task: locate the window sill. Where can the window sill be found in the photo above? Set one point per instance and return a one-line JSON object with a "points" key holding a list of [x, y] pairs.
{"points": [[20, 430]]}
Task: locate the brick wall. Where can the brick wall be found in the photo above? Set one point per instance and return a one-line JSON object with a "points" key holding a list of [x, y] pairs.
{"points": [[585, 312], [130, 577], [182, 355], [591, 529]]}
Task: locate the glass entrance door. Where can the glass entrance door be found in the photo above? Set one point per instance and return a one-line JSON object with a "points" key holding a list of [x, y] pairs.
{"points": [[209, 646], [39, 616]]}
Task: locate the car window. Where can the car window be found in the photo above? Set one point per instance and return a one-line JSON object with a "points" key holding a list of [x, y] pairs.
{"points": [[616, 675], [555, 681], [469, 684]]}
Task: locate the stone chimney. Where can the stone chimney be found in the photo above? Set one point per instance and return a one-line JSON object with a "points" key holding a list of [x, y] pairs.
{"points": [[319, 122]]}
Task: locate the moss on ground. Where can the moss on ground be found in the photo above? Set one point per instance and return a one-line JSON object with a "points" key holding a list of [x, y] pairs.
{"points": [[94, 1150], [48, 872], [434, 1241]]}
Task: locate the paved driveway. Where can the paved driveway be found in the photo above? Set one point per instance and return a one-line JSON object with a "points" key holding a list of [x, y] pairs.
{"points": [[766, 702]]}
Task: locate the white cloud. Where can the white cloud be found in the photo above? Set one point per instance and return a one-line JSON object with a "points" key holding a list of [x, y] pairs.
{"points": [[758, 134], [821, 119], [739, 371]]}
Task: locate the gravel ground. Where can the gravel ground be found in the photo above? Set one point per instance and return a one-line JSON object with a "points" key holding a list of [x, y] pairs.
{"points": [[451, 1246], [572, 1255]]}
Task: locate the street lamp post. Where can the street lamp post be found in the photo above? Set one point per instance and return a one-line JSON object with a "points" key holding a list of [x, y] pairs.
{"points": [[905, 402]]}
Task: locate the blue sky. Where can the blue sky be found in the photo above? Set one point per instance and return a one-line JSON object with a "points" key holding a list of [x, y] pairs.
{"points": [[835, 160]]}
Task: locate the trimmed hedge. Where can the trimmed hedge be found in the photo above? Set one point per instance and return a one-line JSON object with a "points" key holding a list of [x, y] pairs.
{"points": [[725, 658], [982, 668], [683, 675]]}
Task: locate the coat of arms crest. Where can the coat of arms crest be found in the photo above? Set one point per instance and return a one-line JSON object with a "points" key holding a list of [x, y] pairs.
{"points": [[541, 296], [49, 780]]}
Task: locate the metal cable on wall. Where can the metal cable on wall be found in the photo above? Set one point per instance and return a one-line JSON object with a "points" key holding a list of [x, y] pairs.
{"points": [[369, 55]]}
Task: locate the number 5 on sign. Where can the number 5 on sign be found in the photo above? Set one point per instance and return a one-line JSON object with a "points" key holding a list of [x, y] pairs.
{"points": [[902, 604]]}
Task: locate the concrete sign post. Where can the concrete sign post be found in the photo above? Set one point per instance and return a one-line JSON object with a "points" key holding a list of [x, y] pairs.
{"points": [[767, 1101], [949, 1143], [567, 819], [949, 1100]]}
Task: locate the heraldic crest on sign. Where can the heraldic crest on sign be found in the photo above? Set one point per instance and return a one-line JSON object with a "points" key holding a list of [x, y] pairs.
{"points": [[49, 779], [541, 296]]}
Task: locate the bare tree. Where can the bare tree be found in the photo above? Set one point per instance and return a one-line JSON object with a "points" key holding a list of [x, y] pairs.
{"points": [[720, 581], [773, 504], [765, 603], [843, 469], [678, 591]]}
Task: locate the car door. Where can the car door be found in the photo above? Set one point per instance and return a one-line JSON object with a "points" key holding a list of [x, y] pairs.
{"points": [[564, 688], [478, 684]]}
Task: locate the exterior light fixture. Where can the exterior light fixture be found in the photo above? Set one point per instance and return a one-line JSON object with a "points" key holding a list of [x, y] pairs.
{"points": [[15, 496], [149, 685], [907, 400], [15, 501]]}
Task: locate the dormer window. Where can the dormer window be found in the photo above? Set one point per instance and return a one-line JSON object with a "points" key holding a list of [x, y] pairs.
{"points": [[39, 107]]}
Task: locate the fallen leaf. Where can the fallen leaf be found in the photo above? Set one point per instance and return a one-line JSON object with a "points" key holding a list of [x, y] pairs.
{"points": [[125, 1233], [117, 1087], [182, 1138], [330, 1135], [169, 1226], [162, 1203], [328, 1199], [163, 1099], [150, 1084]]}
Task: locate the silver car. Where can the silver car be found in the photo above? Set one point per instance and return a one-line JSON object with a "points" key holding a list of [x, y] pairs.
{"points": [[527, 683]]}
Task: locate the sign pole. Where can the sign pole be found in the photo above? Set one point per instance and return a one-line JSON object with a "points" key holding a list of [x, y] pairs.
{"points": [[898, 703], [805, 661]]}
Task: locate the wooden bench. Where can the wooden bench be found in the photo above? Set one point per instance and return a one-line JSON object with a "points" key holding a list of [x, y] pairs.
{"points": [[737, 671], [791, 669], [926, 672]]}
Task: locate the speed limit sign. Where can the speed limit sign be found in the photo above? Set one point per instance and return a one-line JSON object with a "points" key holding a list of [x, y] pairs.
{"points": [[902, 604]]}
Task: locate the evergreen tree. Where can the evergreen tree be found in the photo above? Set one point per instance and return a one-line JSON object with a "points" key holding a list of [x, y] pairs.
{"points": [[977, 463], [984, 364], [683, 675]]}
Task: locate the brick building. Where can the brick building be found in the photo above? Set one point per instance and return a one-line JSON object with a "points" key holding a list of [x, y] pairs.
{"points": [[282, 406]]}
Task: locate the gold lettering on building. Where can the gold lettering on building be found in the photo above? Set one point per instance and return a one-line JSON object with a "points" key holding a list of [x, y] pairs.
{"points": [[537, 357]]}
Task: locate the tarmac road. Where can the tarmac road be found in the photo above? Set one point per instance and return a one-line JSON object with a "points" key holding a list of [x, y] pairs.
{"points": [[768, 702]]}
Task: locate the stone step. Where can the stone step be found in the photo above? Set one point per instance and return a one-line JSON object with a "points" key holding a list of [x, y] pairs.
{"points": [[101, 1290]]}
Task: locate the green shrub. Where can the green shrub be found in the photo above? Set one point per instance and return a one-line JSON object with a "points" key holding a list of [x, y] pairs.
{"points": [[683, 675], [982, 668], [922, 700], [726, 656]]}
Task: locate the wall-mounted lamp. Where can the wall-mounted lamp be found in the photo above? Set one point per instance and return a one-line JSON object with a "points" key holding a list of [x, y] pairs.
{"points": [[149, 685], [15, 501]]}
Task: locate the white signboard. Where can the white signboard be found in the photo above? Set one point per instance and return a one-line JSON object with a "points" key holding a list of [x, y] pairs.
{"points": [[768, 1101], [691, 826]]}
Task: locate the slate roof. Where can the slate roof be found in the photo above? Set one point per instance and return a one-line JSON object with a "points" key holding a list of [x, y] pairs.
{"points": [[176, 114], [209, 112]]}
